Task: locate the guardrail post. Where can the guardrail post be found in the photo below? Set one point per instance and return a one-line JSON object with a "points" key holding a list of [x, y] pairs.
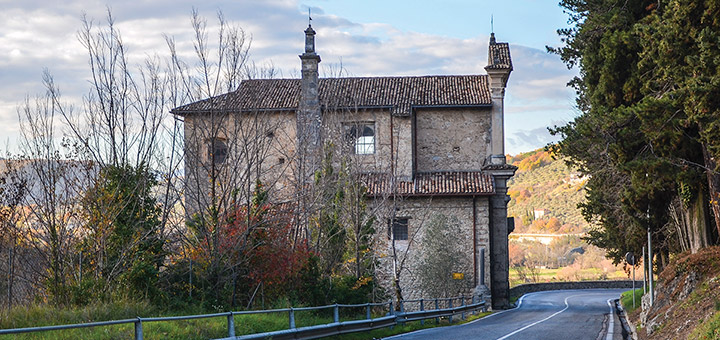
{"points": [[402, 311], [367, 311], [292, 318], [462, 298], [472, 302], [138, 329], [231, 324], [336, 313], [451, 306], [391, 312], [422, 308], [437, 306]]}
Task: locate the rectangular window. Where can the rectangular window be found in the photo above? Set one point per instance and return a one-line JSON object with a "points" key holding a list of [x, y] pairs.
{"points": [[399, 227], [361, 137]]}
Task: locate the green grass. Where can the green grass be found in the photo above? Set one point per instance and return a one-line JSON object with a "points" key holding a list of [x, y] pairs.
{"points": [[216, 327], [626, 299], [185, 329], [709, 329]]}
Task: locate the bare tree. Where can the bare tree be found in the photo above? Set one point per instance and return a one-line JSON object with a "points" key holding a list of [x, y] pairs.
{"points": [[54, 185], [232, 148], [12, 192]]}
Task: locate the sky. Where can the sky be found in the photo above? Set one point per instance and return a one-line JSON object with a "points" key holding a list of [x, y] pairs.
{"points": [[366, 37]]}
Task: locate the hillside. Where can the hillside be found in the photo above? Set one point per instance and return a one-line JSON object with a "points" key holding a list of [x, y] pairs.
{"points": [[687, 303], [544, 183]]}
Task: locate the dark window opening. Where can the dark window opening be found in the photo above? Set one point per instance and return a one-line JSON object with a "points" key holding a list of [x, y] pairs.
{"points": [[399, 229], [218, 150]]}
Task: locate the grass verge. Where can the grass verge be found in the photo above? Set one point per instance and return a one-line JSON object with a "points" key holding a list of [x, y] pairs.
{"points": [[626, 299], [216, 327], [709, 329]]}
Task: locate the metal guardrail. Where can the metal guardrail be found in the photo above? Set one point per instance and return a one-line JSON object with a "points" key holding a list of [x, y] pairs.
{"points": [[293, 332]]}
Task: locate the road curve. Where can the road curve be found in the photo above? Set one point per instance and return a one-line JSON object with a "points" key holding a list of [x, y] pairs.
{"points": [[560, 314]]}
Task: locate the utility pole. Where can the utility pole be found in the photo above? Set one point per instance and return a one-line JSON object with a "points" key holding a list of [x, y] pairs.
{"points": [[645, 284], [650, 268], [650, 265]]}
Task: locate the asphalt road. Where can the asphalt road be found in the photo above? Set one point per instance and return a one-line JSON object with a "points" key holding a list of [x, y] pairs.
{"points": [[560, 314]]}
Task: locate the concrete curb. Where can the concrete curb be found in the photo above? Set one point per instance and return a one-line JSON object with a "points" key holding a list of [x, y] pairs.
{"points": [[626, 324]]}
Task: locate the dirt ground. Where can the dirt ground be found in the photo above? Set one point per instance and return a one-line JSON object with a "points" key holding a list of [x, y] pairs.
{"points": [[688, 294]]}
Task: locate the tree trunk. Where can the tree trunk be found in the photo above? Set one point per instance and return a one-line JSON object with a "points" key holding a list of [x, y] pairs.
{"points": [[398, 293], [11, 273], [713, 179], [676, 217], [697, 219]]}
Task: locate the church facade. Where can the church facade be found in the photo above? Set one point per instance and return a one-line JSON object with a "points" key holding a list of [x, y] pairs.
{"points": [[428, 149]]}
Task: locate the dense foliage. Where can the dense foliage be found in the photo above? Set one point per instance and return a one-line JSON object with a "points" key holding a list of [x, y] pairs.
{"points": [[648, 91], [122, 245]]}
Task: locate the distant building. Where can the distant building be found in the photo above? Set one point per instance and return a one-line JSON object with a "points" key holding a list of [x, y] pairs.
{"points": [[540, 213]]}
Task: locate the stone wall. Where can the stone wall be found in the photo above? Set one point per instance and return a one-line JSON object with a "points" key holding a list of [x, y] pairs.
{"points": [[452, 140], [523, 289], [265, 141], [420, 212]]}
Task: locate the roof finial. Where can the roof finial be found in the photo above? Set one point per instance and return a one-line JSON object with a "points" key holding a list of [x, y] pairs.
{"points": [[309, 18], [492, 30]]}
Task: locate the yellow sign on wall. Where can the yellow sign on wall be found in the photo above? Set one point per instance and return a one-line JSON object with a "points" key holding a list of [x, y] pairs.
{"points": [[458, 276]]}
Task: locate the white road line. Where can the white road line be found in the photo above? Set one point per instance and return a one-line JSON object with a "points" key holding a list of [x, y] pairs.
{"points": [[537, 322], [520, 301], [611, 326]]}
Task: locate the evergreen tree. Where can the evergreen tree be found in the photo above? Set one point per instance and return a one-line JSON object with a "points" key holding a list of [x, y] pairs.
{"points": [[648, 70], [122, 239]]}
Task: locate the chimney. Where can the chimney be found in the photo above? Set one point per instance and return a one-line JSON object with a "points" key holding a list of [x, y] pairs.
{"points": [[498, 70], [308, 116]]}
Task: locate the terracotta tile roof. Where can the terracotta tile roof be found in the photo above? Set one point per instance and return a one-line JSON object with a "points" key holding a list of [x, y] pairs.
{"points": [[455, 183], [500, 167], [399, 94], [499, 56]]}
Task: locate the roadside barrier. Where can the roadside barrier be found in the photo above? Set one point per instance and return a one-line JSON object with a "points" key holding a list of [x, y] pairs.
{"points": [[392, 318]]}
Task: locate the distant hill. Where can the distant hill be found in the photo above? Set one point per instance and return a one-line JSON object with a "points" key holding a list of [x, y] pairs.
{"points": [[544, 195]]}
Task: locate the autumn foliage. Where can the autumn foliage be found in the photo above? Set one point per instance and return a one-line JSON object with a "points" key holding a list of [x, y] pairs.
{"points": [[251, 252], [273, 259]]}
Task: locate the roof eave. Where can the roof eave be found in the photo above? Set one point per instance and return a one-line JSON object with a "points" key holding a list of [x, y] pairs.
{"points": [[436, 195]]}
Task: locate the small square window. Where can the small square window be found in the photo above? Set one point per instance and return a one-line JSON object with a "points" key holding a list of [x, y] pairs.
{"points": [[217, 150], [361, 137], [399, 229]]}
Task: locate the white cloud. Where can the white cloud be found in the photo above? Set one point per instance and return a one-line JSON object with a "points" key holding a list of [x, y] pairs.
{"points": [[34, 35]]}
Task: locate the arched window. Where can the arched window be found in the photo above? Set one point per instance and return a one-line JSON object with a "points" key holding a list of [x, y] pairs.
{"points": [[361, 137], [217, 150]]}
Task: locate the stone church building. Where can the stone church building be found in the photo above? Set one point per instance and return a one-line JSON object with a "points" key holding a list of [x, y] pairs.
{"points": [[424, 146]]}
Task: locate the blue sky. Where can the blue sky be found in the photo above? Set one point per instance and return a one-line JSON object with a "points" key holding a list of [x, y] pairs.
{"points": [[458, 18], [369, 38]]}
